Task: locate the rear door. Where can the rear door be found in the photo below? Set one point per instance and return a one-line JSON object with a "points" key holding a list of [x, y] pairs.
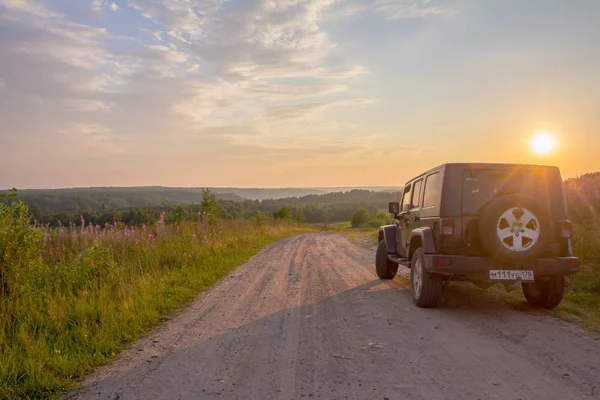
{"points": [[481, 185]]}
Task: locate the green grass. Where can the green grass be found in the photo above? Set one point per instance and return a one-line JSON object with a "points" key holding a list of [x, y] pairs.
{"points": [[365, 236], [582, 298], [69, 302]]}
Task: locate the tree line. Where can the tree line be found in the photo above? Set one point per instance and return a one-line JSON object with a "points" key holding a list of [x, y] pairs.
{"points": [[326, 208]]}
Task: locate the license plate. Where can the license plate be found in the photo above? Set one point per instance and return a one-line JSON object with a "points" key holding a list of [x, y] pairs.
{"points": [[510, 275]]}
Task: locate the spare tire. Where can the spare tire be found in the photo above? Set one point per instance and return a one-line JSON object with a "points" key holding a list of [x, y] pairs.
{"points": [[514, 228]]}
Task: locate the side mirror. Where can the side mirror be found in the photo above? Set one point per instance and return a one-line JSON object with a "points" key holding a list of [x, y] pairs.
{"points": [[394, 208]]}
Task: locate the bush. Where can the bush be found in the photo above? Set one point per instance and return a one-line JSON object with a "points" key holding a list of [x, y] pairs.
{"points": [[299, 216], [260, 219], [360, 217], [208, 207], [282, 213], [380, 219]]}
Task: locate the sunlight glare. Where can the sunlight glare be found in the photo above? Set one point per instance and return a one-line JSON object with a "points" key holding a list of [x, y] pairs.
{"points": [[543, 142]]}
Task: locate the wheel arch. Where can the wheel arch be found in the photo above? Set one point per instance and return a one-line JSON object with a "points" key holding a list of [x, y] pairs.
{"points": [[388, 233], [422, 237]]}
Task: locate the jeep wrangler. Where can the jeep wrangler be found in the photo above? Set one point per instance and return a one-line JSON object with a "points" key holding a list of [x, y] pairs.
{"points": [[483, 223]]}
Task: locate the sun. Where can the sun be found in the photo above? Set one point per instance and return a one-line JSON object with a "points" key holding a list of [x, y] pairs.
{"points": [[543, 142]]}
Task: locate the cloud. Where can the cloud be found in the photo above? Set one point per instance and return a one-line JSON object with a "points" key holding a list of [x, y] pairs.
{"points": [[230, 131], [409, 9], [254, 39], [98, 5], [228, 72], [273, 92], [348, 11], [90, 136], [389, 9], [26, 6], [286, 113]]}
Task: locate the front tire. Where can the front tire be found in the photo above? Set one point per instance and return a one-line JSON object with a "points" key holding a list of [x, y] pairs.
{"points": [[385, 268], [426, 287], [545, 294]]}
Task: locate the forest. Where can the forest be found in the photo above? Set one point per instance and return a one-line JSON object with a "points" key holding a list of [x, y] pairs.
{"points": [[105, 207]]}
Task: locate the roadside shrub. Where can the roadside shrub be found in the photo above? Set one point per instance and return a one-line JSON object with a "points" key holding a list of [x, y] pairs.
{"points": [[208, 207], [260, 219], [583, 197], [379, 219], [299, 216], [360, 217], [282, 213]]}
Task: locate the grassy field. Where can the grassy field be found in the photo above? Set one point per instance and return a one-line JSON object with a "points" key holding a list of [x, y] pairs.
{"points": [[70, 299]]}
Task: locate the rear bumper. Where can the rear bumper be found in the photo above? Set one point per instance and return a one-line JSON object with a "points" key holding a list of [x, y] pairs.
{"points": [[479, 267]]}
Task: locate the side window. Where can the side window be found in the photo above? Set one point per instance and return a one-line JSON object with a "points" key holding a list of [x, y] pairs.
{"points": [[432, 190], [416, 195], [406, 198]]}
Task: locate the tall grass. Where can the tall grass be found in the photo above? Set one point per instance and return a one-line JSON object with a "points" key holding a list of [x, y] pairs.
{"points": [[71, 298], [582, 296]]}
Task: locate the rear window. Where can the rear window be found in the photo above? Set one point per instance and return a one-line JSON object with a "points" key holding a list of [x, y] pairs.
{"points": [[542, 184], [432, 190]]}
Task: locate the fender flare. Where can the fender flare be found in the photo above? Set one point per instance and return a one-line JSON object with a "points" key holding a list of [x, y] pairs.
{"points": [[388, 234], [427, 239]]}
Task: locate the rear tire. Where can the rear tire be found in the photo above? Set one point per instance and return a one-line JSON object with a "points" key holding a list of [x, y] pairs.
{"points": [[545, 294], [426, 287], [385, 268]]}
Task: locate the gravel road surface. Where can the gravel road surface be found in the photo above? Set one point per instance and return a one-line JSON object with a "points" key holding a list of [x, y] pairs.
{"points": [[308, 318]]}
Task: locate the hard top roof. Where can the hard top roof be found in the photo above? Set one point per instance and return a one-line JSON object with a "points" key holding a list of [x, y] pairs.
{"points": [[479, 165]]}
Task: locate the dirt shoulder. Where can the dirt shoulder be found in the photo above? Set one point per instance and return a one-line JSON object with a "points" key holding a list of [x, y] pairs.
{"points": [[308, 318]]}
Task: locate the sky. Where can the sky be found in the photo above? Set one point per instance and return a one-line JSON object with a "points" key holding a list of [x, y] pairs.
{"points": [[291, 93]]}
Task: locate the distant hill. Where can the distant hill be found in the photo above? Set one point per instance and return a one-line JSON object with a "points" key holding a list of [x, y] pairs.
{"points": [[116, 198], [94, 199], [282, 193], [331, 207], [263, 194]]}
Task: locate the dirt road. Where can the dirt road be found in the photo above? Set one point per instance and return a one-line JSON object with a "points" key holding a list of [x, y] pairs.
{"points": [[307, 318]]}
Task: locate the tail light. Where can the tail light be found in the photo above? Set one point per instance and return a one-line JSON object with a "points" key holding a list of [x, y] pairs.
{"points": [[443, 262], [566, 229], [447, 227]]}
